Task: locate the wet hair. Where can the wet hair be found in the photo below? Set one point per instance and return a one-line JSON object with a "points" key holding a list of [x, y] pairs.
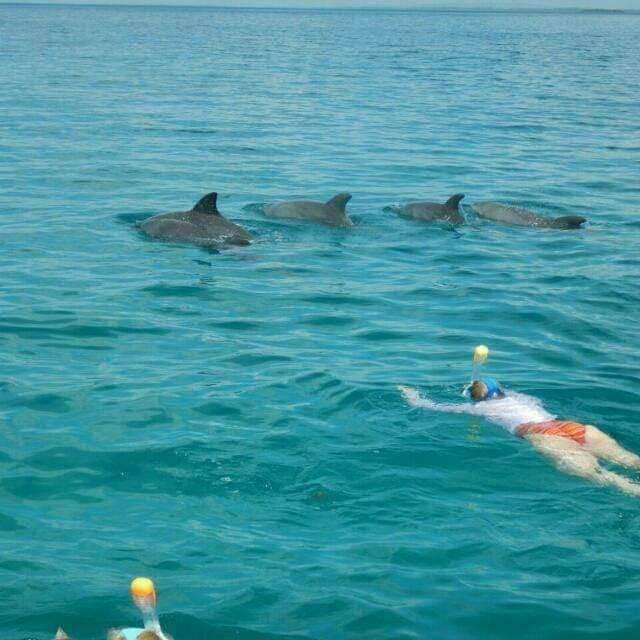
{"points": [[478, 390], [148, 635]]}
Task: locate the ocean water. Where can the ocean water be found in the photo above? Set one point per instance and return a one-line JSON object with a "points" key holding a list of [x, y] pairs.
{"points": [[228, 423]]}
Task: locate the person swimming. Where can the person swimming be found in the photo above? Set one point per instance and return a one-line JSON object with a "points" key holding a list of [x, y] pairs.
{"points": [[574, 447], [143, 593]]}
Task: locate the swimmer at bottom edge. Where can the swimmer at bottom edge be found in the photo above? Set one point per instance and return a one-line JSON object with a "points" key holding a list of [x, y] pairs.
{"points": [[573, 447]]}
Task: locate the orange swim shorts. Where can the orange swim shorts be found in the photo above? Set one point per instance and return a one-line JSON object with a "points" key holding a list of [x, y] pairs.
{"points": [[561, 428]]}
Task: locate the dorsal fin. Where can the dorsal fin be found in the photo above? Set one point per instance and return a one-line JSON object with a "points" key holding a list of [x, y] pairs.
{"points": [[339, 201], [208, 204], [454, 201]]}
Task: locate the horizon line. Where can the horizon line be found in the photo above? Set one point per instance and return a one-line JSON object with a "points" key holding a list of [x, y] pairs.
{"points": [[319, 7]]}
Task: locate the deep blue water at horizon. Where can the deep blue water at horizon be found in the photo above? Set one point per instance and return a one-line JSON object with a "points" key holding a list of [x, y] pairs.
{"points": [[228, 423]]}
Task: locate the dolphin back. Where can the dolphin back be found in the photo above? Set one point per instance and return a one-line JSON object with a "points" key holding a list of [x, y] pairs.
{"points": [[203, 225]]}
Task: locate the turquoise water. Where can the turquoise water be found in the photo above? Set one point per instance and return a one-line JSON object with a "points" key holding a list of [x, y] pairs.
{"points": [[228, 423]]}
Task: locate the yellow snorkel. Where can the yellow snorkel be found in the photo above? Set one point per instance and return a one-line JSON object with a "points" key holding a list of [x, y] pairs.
{"points": [[143, 594], [489, 388], [480, 356]]}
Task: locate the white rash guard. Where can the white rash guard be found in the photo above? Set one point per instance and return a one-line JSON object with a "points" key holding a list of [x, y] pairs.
{"points": [[509, 412]]}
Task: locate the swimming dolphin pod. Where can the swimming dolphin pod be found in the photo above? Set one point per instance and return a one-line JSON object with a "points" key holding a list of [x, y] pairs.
{"points": [[434, 211], [518, 217], [333, 212], [203, 225]]}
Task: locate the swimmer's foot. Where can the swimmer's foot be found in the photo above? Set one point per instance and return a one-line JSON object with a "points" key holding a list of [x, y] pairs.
{"points": [[604, 446], [620, 482]]}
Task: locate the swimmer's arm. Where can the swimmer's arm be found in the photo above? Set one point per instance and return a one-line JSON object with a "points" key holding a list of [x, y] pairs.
{"points": [[413, 397]]}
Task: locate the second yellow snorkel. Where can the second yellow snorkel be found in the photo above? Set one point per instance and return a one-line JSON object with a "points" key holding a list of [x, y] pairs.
{"points": [[143, 594]]}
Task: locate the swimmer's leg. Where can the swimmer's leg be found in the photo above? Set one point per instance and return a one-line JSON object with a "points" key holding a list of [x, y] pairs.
{"points": [[604, 446], [575, 459]]}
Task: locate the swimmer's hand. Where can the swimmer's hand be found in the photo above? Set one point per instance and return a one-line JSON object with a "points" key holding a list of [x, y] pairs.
{"points": [[410, 394], [413, 397]]}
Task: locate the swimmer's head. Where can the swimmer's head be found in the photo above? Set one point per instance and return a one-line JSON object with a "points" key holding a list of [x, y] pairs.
{"points": [[61, 635], [486, 389], [478, 390]]}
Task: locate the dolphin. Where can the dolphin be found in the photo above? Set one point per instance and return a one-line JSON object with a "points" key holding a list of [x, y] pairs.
{"points": [[203, 225], [434, 211], [516, 216], [331, 212]]}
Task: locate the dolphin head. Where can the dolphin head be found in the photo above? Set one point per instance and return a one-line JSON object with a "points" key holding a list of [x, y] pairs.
{"points": [[568, 222]]}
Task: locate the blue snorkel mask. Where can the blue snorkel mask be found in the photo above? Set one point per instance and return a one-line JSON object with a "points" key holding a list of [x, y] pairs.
{"points": [[493, 390]]}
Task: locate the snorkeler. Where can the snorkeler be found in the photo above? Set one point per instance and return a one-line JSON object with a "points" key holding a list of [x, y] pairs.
{"points": [[572, 446], [143, 593]]}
